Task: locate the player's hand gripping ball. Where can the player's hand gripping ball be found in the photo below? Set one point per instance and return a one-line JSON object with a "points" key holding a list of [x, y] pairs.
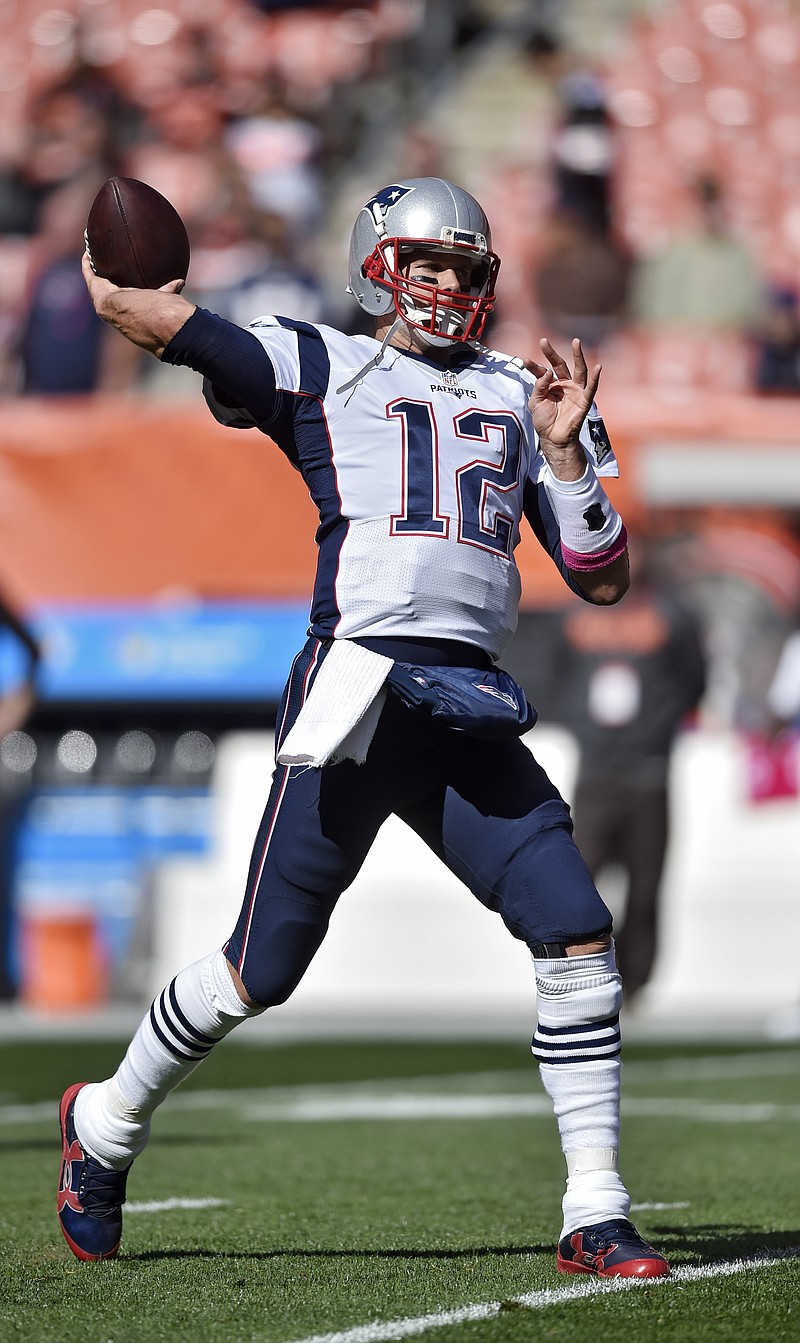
{"points": [[135, 237]]}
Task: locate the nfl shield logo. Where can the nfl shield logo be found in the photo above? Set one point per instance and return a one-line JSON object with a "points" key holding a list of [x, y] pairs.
{"points": [[449, 378]]}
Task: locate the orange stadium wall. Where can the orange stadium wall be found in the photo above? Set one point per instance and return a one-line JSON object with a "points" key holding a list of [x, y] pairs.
{"points": [[130, 500]]}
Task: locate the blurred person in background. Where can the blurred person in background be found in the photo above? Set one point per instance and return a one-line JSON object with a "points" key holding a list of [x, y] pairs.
{"points": [[581, 281], [64, 348], [16, 705], [783, 692], [421, 449], [583, 149], [778, 344], [180, 152], [782, 732], [50, 340], [278, 151], [69, 140], [244, 262], [704, 276], [628, 680]]}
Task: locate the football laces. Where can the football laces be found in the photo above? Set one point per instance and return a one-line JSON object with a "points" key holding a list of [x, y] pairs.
{"points": [[88, 249]]}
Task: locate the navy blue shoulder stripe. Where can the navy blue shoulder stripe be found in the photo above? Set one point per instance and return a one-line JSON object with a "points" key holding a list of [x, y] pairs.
{"points": [[315, 362]]}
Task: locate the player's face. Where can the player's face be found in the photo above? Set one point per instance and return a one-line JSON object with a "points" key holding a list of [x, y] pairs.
{"points": [[448, 271]]}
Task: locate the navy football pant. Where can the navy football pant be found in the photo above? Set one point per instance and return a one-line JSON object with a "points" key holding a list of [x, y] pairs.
{"points": [[487, 809]]}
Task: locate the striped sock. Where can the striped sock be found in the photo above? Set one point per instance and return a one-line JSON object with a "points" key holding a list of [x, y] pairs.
{"points": [[195, 1011], [577, 1046]]}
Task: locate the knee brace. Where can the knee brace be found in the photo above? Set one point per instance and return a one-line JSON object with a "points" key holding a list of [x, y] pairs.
{"points": [[579, 999]]}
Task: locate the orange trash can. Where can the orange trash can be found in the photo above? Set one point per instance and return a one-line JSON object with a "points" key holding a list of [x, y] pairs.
{"points": [[63, 967]]}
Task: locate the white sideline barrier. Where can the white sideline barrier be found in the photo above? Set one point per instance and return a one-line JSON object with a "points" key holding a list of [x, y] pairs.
{"points": [[409, 949]]}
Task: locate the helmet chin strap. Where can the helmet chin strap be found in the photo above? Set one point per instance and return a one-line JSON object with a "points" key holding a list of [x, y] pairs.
{"points": [[440, 339], [429, 338]]}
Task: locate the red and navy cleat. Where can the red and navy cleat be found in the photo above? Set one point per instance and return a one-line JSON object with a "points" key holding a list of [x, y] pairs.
{"points": [[612, 1249], [90, 1196]]}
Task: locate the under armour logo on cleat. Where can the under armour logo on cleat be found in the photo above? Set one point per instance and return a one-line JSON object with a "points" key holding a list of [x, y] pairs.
{"points": [[70, 1172], [585, 1257]]}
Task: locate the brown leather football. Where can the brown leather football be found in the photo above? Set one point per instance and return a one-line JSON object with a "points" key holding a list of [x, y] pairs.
{"points": [[135, 237]]}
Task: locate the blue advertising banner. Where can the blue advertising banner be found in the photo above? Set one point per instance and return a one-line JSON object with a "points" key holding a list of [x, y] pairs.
{"points": [[90, 851], [181, 650]]}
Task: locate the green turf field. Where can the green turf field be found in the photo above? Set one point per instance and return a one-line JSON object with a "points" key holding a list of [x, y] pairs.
{"points": [[366, 1192]]}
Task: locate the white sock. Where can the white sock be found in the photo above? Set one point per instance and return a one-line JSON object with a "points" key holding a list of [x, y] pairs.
{"points": [[593, 1183], [197, 1010], [577, 1044]]}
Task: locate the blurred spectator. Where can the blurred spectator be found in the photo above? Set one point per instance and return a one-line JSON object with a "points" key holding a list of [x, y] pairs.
{"points": [[68, 140], [583, 152], [244, 265], [705, 277], [15, 707], [628, 676], [783, 735], [581, 281], [181, 154], [778, 357], [50, 340], [783, 692], [65, 349], [277, 152]]}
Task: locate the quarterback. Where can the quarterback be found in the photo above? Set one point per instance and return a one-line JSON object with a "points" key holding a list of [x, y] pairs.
{"points": [[423, 450]]}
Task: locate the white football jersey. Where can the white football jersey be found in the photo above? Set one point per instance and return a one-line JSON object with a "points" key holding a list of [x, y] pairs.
{"points": [[418, 473]]}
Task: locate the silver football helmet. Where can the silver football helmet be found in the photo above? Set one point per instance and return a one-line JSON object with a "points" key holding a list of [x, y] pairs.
{"points": [[431, 214]]}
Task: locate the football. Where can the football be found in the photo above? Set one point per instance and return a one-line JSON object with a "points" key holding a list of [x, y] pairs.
{"points": [[135, 237]]}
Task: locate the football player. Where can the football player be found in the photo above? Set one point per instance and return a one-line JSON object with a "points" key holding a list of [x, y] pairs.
{"points": [[422, 450]]}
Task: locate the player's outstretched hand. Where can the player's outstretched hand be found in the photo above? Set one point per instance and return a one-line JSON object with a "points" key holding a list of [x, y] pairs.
{"points": [[147, 317], [559, 404]]}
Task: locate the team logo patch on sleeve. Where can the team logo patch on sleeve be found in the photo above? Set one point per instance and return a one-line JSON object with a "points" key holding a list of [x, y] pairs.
{"points": [[600, 440]]}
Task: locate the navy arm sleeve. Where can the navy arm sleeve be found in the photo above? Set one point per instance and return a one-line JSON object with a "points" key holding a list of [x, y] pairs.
{"points": [[234, 361]]}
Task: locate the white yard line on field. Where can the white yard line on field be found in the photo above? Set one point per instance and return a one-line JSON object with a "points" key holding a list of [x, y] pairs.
{"points": [[657, 1207], [707, 1067], [469, 1095], [406, 1105], [321, 1105], [168, 1204], [383, 1332]]}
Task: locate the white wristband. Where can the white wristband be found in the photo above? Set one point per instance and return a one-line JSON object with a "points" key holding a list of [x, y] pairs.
{"points": [[592, 532]]}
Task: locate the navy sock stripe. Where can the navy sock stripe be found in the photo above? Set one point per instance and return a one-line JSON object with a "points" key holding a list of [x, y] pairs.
{"points": [[582, 1042], [575, 1041], [608, 1023], [559, 1046], [577, 1058], [209, 1040], [178, 1053], [608, 1048], [179, 1039]]}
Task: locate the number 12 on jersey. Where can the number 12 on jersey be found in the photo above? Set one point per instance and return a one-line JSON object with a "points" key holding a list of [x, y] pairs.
{"points": [[479, 484]]}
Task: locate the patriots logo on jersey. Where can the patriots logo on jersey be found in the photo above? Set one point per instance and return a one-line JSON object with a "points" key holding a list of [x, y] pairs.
{"points": [[600, 440], [380, 204]]}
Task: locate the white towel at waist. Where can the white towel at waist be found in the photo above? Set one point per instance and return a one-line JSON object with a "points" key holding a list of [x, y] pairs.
{"points": [[338, 720]]}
